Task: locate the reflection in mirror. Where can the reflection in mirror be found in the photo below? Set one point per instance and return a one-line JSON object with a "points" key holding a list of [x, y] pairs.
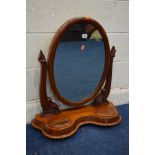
{"points": [[79, 62]]}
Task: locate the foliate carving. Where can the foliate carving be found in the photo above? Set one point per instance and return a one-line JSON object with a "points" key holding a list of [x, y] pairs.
{"points": [[41, 57], [52, 107], [105, 112], [100, 98], [47, 104], [113, 51], [59, 123]]}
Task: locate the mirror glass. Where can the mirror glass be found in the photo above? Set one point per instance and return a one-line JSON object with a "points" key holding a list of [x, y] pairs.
{"points": [[79, 62]]}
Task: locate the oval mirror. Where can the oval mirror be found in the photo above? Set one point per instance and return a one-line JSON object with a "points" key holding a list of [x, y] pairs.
{"points": [[79, 61]]}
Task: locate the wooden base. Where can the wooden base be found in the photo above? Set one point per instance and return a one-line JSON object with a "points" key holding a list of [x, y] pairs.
{"points": [[67, 122]]}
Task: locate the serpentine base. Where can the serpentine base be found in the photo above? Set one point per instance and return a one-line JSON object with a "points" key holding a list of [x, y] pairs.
{"points": [[67, 122]]}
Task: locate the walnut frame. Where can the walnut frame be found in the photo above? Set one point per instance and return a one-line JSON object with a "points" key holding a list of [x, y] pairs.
{"points": [[52, 52], [56, 123]]}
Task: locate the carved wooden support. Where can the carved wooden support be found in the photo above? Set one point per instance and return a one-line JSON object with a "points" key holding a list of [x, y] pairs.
{"points": [[55, 123], [102, 97], [48, 106]]}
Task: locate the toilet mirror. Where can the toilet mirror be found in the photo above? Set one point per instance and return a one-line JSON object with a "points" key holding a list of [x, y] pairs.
{"points": [[78, 61]]}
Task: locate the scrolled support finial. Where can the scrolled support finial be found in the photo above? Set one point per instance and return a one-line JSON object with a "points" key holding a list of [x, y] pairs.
{"points": [[48, 106], [103, 95], [41, 57], [113, 51]]}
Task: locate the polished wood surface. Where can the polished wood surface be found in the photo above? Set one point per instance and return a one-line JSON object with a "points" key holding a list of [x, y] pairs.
{"points": [[67, 122], [104, 93], [47, 105], [52, 52], [56, 123]]}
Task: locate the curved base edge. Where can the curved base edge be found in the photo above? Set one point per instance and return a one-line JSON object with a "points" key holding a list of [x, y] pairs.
{"points": [[67, 122]]}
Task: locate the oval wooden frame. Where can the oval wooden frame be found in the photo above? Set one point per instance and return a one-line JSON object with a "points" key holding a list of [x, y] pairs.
{"points": [[55, 41]]}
